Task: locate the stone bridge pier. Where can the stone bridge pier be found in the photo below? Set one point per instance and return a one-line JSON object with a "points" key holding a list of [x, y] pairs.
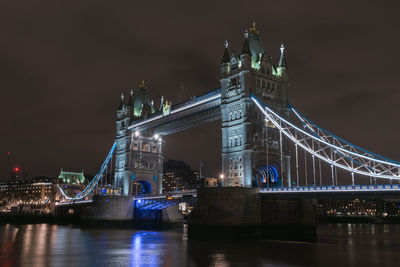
{"points": [[237, 212]]}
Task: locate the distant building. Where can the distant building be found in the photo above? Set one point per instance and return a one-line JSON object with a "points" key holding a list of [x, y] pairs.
{"points": [[74, 182], [39, 190], [385, 208], [178, 176], [71, 177]]}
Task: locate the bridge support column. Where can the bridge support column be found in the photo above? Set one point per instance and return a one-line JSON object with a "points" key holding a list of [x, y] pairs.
{"points": [[234, 212]]}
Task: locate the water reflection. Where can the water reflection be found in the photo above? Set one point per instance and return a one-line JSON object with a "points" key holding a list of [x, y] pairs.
{"points": [[54, 245], [147, 249]]}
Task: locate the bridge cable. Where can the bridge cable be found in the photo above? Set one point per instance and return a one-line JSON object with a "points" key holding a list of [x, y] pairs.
{"points": [[305, 167], [388, 169], [297, 163]]}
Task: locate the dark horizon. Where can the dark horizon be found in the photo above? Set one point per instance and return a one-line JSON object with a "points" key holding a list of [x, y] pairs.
{"points": [[64, 66]]}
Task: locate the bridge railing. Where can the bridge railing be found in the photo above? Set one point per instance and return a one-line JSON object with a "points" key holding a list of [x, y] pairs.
{"points": [[168, 194], [331, 188]]}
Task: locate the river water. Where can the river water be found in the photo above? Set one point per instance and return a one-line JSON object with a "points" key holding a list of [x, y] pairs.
{"points": [[56, 245]]}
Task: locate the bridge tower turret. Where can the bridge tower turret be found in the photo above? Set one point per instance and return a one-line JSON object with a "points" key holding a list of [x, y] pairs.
{"points": [[139, 154], [122, 157], [246, 144]]}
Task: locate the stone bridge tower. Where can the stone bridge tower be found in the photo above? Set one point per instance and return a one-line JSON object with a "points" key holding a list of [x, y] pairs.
{"points": [[246, 146], [139, 155]]}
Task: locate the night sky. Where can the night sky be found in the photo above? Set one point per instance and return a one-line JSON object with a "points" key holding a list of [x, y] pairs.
{"points": [[64, 64]]}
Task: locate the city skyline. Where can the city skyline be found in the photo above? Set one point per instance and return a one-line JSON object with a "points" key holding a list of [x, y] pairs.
{"points": [[61, 82]]}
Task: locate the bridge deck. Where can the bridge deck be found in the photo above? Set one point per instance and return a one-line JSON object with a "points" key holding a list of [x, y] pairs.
{"points": [[371, 191]]}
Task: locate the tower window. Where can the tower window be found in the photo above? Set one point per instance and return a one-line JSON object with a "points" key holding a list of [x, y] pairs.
{"points": [[233, 81], [145, 146]]}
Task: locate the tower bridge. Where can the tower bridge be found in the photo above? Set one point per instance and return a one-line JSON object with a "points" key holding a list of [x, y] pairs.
{"points": [[266, 143]]}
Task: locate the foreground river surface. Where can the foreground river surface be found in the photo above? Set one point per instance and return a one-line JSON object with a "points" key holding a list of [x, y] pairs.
{"points": [[56, 245]]}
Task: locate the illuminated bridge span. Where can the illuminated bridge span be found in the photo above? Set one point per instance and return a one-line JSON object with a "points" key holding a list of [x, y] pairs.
{"points": [[162, 202], [329, 148], [196, 111]]}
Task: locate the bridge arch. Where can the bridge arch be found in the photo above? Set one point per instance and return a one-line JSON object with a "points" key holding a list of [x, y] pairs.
{"points": [[145, 186], [267, 176]]}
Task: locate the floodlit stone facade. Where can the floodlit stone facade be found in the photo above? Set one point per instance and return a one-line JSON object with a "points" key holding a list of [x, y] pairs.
{"points": [[244, 137]]}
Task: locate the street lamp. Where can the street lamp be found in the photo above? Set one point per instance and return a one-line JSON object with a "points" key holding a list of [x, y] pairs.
{"points": [[222, 179]]}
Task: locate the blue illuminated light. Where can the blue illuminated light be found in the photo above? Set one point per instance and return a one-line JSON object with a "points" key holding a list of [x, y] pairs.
{"points": [[268, 174]]}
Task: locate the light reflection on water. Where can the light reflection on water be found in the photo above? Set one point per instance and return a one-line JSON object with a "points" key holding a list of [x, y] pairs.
{"points": [[55, 245]]}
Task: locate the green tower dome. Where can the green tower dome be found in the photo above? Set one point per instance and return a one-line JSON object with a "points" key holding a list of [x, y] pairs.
{"points": [[141, 98], [255, 45]]}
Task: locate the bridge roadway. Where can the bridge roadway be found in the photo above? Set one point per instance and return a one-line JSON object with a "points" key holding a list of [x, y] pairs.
{"points": [[142, 199], [391, 191]]}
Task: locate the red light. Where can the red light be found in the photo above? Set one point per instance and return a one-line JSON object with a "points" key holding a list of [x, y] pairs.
{"points": [[16, 169], [8, 153]]}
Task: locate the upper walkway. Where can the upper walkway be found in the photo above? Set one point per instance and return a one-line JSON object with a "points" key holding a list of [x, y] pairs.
{"points": [[196, 111]]}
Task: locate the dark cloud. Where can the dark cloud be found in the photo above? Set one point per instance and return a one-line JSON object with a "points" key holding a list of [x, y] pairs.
{"points": [[64, 64]]}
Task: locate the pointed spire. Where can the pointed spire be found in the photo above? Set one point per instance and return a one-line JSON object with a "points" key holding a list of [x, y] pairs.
{"points": [[225, 57], [130, 99], [122, 103], [161, 103], [246, 46], [282, 60]]}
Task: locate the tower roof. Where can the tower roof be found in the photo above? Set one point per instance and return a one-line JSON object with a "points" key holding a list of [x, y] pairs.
{"points": [[254, 42], [246, 46], [282, 60], [142, 86], [225, 57], [130, 99], [141, 98], [254, 30], [121, 103]]}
